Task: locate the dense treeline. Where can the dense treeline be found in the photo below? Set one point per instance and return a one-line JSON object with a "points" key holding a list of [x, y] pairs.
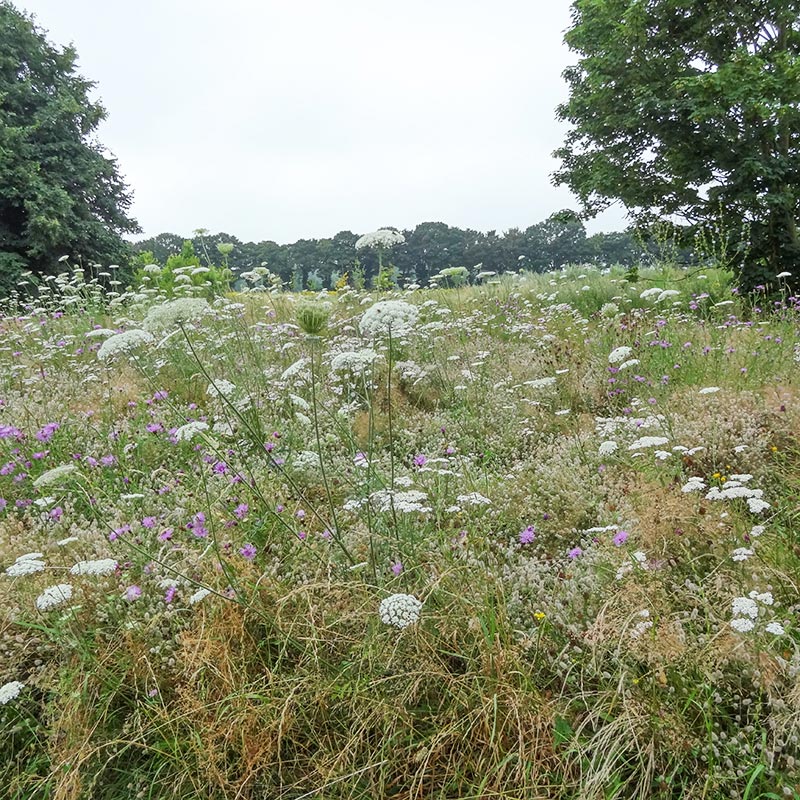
{"points": [[429, 248]]}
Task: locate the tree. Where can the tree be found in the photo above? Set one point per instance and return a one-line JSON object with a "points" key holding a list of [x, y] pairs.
{"points": [[60, 192], [691, 111]]}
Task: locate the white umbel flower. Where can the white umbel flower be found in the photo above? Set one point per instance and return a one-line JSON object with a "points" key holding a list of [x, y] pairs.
{"points": [[648, 441], [9, 691], [607, 448], [54, 596], [98, 333], [775, 628], [355, 362], [389, 318], [540, 383], [380, 238], [221, 388], [744, 607], [742, 625], [619, 354], [123, 343], [175, 312], [26, 566], [188, 431], [694, 484], [99, 566], [400, 610], [54, 475], [199, 595]]}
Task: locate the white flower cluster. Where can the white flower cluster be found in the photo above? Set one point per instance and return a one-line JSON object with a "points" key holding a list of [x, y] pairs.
{"points": [[221, 388], [381, 238], [694, 484], [734, 490], [199, 595], [54, 596], [97, 333], [26, 565], [540, 383], [355, 362], [609, 310], [306, 462], [400, 610], [188, 431], [607, 448], [746, 611], [619, 354], [175, 312], [10, 691], [300, 367], [54, 475], [644, 624], [100, 566], [389, 318], [123, 343], [648, 441], [474, 499], [411, 501], [658, 293]]}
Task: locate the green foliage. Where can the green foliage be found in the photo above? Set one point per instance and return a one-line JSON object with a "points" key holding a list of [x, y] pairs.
{"points": [[428, 249], [386, 278], [183, 273], [314, 281], [690, 110], [60, 192]]}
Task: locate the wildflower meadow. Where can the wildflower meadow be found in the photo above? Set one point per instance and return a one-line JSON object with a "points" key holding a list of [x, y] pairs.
{"points": [[534, 537]]}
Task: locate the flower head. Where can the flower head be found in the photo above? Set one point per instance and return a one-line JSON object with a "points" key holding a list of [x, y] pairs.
{"points": [[382, 238], [400, 610], [9, 691], [389, 318], [54, 596], [123, 343]]}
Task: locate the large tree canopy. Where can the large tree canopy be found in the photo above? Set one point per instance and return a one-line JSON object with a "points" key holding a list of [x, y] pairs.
{"points": [[691, 110], [60, 193]]}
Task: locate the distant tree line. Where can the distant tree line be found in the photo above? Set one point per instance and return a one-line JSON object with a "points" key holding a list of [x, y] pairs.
{"points": [[429, 248]]}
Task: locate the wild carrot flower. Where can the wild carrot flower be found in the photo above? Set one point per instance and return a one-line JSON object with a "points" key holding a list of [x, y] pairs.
{"points": [[54, 596], [10, 691], [400, 610], [100, 566]]}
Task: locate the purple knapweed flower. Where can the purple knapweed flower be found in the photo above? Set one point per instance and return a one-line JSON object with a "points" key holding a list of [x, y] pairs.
{"points": [[45, 434], [248, 551], [527, 535], [133, 593], [620, 538]]}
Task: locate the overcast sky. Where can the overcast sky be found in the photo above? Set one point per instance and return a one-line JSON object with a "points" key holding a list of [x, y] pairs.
{"points": [[298, 119]]}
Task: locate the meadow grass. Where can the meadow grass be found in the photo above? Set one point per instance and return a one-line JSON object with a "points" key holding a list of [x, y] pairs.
{"points": [[213, 533]]}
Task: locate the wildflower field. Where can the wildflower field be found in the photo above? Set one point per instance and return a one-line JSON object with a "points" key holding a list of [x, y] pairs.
{"points": [[536, 538]]}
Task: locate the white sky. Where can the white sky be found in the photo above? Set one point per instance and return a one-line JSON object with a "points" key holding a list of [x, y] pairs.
{"points": [[298, 119]]}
